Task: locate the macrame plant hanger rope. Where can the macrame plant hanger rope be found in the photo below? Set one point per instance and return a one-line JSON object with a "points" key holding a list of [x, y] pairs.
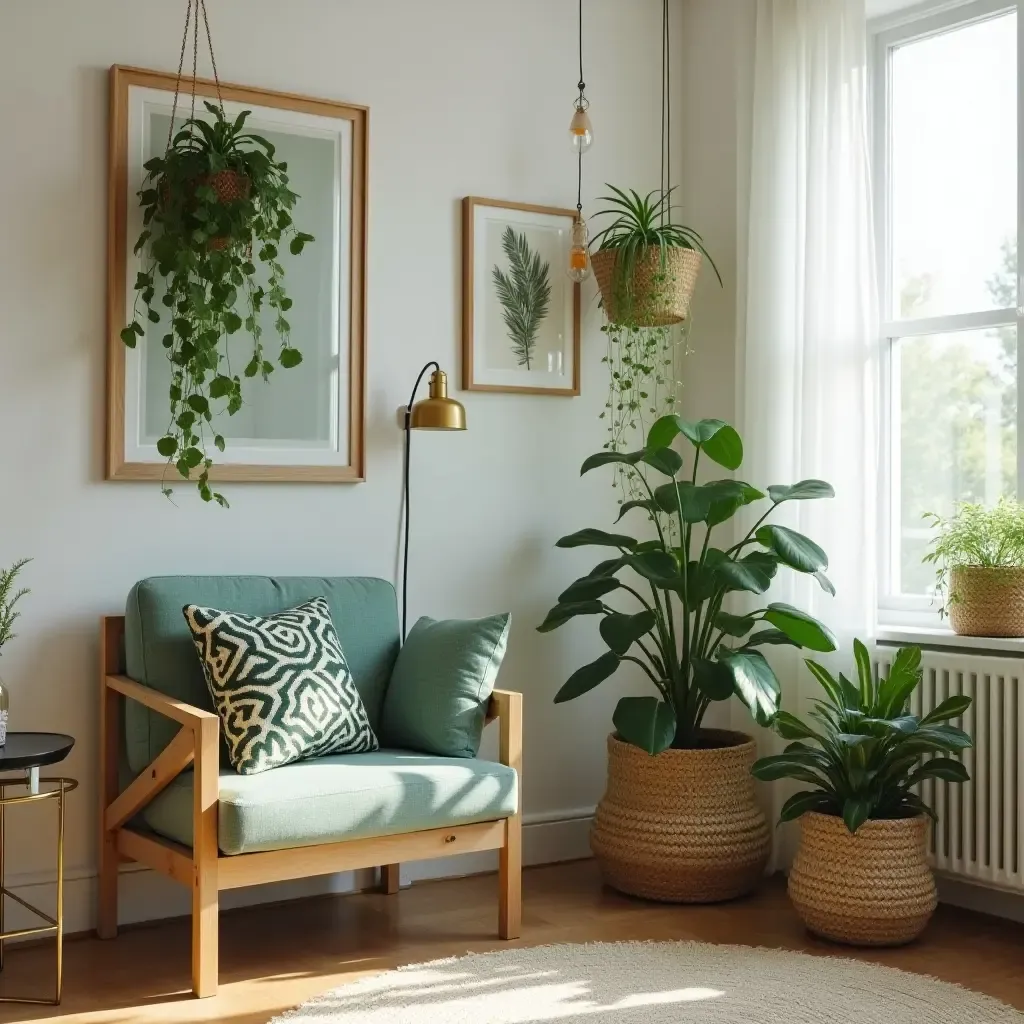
{"points": [[192, 18]]}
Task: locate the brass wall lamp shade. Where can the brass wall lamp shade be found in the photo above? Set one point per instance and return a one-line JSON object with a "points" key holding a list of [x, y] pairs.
{"points": [[437, 412]]}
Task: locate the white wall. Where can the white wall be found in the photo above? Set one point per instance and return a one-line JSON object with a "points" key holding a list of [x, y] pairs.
{"points": [[465, 97]]}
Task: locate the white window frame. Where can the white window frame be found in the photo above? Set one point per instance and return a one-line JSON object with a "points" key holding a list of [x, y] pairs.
{"points": [[920, 22]]}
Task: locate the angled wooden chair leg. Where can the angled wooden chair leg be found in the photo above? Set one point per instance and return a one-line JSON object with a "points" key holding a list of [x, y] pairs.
{"points": [[390, 878], [205, 899], [510, 880]]}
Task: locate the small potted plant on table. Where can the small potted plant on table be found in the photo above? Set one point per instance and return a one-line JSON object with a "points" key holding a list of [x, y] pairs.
{"points": [[861, 874], [979, 552], [679, 820]]}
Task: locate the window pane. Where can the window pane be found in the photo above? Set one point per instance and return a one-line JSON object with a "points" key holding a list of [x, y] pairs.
{"points": [[958, 433], [954, 171]]}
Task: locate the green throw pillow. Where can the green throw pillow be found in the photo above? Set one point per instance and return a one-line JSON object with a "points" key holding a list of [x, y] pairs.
{"points": [[280, 684], [436, 701]]}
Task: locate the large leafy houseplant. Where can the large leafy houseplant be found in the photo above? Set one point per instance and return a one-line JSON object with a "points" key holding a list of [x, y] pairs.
{"points": [[216, 210], [865, 752], [693, 651]]}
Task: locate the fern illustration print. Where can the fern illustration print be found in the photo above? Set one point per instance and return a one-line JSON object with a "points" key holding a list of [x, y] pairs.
{"points": [[524, 292]]}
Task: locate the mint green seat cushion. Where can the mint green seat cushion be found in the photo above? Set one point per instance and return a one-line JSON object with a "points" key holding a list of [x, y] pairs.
{"points": [[437, 698], [341, 797], [159, 650]]}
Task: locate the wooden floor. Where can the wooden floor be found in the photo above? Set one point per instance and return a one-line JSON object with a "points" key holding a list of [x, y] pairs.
{"points": [[273, 957]]}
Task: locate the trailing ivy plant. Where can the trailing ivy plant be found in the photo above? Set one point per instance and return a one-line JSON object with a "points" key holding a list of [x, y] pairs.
{"points": [[692, 651], [215, 206]]}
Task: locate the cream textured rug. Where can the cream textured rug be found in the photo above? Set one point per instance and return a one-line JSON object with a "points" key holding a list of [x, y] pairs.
{"points": [[651, 983]]}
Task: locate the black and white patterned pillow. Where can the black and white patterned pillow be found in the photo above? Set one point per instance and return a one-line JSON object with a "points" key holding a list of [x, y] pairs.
{"points": [[280, 684]]}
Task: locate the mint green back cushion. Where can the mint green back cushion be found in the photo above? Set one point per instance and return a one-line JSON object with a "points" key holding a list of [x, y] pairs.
{"points": [[160, 653], [437, 698]]}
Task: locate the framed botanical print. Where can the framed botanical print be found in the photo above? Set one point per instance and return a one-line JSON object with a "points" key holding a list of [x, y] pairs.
{"points": [[520, 309], [302, 424]]}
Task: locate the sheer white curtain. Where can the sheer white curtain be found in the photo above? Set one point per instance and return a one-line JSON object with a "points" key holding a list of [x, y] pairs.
{"points": [[807, 323]]}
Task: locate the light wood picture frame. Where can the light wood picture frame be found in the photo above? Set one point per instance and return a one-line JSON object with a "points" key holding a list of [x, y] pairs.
{"points": [[307, 424], [506, 246]]}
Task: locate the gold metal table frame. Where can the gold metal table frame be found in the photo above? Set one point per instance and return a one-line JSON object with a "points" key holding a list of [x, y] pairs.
{"points": [[59, 788]]}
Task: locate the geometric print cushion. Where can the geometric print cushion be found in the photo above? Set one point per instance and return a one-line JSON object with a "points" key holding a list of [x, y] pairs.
{"points": [[280, 684]]}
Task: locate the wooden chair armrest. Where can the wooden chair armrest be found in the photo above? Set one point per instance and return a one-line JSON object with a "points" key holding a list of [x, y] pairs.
{"points": [[188, 715], [507, 707]]}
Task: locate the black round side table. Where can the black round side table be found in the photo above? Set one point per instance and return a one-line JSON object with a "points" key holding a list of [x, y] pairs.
{"points": [[27, 752]]}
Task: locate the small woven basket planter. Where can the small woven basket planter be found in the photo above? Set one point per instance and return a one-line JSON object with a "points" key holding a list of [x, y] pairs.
{"points": [[658, 296], [869, 888], [230, 186], [986, 600], [683, 826]]}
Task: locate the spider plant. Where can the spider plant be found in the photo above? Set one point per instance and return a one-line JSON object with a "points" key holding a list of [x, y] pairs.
{"points": [[642, 223]]}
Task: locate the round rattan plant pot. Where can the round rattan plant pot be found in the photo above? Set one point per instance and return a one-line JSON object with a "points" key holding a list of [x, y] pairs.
{"points": [[683, 826], [869, 888], [229, 185], [657, 296], [986, 600]]}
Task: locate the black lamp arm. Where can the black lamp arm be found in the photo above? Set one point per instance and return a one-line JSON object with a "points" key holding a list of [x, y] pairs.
{"points": [[408, 447]]}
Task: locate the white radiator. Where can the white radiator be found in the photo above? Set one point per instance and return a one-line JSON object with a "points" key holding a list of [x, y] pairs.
{"points": [[979, 836]]}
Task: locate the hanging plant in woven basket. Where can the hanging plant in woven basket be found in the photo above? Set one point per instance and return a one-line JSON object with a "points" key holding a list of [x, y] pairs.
{"points": [[645, 265], [216, 211]]}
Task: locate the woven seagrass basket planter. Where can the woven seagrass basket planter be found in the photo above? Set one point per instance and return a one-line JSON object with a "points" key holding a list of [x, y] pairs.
{"points": [[986, 600], [657, 296], [869, 888], [683, 826], [229, 187]]}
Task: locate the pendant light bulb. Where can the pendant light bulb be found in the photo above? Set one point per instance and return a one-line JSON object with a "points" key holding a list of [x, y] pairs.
{"points": [[579, 251], [581, 132]]}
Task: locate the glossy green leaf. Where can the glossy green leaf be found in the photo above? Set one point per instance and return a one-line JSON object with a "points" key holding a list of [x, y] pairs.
{"points": [[665, 460], [800, 803], [620, 631], [610, 458], [645, 503], [855, 813], [792, 548], [805, 490], [562, 613], [713, 679], [657, 566], [724, 447], [948, 769], [754, 683], [769, 637], [951, 707], [741, 574], [646, 722], [734, 625], [589, 588], [599, 538], [804, 629], [587, 677]]}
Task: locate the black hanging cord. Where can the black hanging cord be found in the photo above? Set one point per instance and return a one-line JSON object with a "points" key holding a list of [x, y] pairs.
{"points": [[666, 113], [408, 448], [581, 104]]}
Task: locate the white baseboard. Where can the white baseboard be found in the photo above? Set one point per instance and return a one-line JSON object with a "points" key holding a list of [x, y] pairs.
{"points": [[998, 902], [146, 896]]}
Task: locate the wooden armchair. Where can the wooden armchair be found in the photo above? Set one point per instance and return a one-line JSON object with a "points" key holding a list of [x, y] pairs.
{"points": [[206, 870]]}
